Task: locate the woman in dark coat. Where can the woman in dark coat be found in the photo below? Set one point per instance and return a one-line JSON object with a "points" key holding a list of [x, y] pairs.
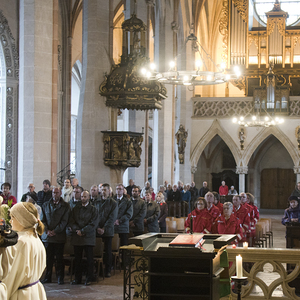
{"points": [[160, 199]]}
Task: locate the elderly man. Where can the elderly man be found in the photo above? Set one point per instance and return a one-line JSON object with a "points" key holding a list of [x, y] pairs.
{"points": [[67, 190], [145, 188], [204, 189], [55, 217], [211, 208], [45, 194], [76, 199], [291, 214], [175, 195], [296, 191], [75, 183], [94, 194], [223, 189], [108, 213], [125, 211], [31, 189], [136, 223], [152, 214], [129, 187], [82, 225]]}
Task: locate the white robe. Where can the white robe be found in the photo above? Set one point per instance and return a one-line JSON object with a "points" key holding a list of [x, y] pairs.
{"points": [[5, 263], [27, 265]]}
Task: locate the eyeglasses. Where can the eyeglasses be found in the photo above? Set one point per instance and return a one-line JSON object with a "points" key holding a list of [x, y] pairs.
{"points": [[200, 203]]}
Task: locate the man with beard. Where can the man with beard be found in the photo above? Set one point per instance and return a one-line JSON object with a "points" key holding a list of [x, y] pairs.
{"points": [[136, 223], [108, 212]]}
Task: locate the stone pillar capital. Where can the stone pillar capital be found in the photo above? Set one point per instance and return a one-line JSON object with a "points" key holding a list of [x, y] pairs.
{"points": [[242, 170], [297, 169], [150, 2]]}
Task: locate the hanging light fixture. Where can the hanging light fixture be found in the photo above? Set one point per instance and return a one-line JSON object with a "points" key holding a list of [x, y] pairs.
{"points": [[199, 75], [257, 121]]}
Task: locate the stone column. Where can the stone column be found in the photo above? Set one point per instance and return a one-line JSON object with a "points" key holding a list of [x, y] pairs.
{"points": [[242, 171], [297, 172], [35, 92], [93, 115], [163, 157]]}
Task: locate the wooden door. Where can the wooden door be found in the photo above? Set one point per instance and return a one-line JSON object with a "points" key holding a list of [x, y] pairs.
{"points": [[276, 185]]}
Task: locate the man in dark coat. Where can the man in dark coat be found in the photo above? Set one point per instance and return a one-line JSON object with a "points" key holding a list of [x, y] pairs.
{"points": [[77, 197], [203, 190], [175, 195], [136, 223], [82, 225], [55, 217], [125, 211], [31, 190], [163, 211], [44, 195], [152, 214], [129, 187], [296, 191], [108, 213]]}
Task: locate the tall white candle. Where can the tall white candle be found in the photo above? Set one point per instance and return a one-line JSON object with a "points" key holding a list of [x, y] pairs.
{"points": [[239, 267]]}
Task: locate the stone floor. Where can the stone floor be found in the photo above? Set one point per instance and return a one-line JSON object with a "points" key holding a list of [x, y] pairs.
{"points": [[112, 288]]}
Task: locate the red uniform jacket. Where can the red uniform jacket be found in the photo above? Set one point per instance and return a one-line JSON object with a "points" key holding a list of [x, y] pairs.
{"points": [[8, 198], [214, 212], [223, 190], [202, 221], [254, 217], [243, 216], [220, 207], [231, 226]]}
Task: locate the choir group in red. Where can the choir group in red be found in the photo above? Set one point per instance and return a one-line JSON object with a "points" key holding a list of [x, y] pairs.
{"points": [[237, 217]]}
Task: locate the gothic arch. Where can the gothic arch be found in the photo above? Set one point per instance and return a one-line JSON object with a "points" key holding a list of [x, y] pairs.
{"points": [[215, 129], [12, 81], [285, 141]]}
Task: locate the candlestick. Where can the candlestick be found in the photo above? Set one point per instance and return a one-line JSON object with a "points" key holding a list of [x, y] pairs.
{"points": [[245, 245], [239, 267], [238, 282]]}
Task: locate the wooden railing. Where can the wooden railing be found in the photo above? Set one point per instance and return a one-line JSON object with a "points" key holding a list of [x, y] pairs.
{"points": [[267, 274]]}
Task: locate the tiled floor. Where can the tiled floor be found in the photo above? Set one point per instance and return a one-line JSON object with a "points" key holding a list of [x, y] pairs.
{"points": [[112, 288]]}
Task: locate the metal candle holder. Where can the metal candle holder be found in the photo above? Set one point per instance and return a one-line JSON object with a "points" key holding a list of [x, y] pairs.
{"points": [[238, 283]]}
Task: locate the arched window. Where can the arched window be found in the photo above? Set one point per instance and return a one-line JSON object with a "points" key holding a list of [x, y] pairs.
{"points": [[2, 115], [292, 7], [75, 94]]}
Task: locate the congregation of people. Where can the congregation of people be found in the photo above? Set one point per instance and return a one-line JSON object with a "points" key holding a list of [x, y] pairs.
{"points": [[79, 216]]}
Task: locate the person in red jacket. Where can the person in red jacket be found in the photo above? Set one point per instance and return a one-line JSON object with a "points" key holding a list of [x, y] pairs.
{"points": [[223, 189], [254, 217], [211, 208], [227, 223], [8, 198], [217, 202], [242, 214], [202, 221]]}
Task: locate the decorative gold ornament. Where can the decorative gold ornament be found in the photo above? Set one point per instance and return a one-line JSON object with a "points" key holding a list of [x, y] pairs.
{"points": [[122, 149]]}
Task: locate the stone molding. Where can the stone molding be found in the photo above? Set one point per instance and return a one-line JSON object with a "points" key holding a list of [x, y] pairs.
{"points": [[242, 170], [11, 56]]}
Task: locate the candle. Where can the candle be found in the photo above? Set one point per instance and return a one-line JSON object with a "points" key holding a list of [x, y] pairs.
{"points": [[239, 267], [245, 245]]}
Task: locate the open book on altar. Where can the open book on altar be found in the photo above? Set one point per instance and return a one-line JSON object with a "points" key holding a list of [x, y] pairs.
{"points": [[188, 240]]}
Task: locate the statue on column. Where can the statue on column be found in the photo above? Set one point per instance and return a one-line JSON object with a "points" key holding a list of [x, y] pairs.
{"points": [[181, 137], [297, 133], [242, 137]]}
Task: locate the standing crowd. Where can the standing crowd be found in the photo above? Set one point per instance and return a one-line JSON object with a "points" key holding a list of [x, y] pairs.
{"points": [[80, 216]]}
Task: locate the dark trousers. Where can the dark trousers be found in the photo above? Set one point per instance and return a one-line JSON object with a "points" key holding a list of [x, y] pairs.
{"points": [[55, 250], [136, 233], [123, 239], [107, 257], [78, 251], [163, 229]]}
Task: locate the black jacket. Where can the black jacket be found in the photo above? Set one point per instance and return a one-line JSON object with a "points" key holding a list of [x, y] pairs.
{"points": [[55, 217], [107, 212], [125, 211], [43, 197], [85, 219]]}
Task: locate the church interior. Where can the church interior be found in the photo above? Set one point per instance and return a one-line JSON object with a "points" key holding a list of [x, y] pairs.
{"points": [[219, 99]]}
